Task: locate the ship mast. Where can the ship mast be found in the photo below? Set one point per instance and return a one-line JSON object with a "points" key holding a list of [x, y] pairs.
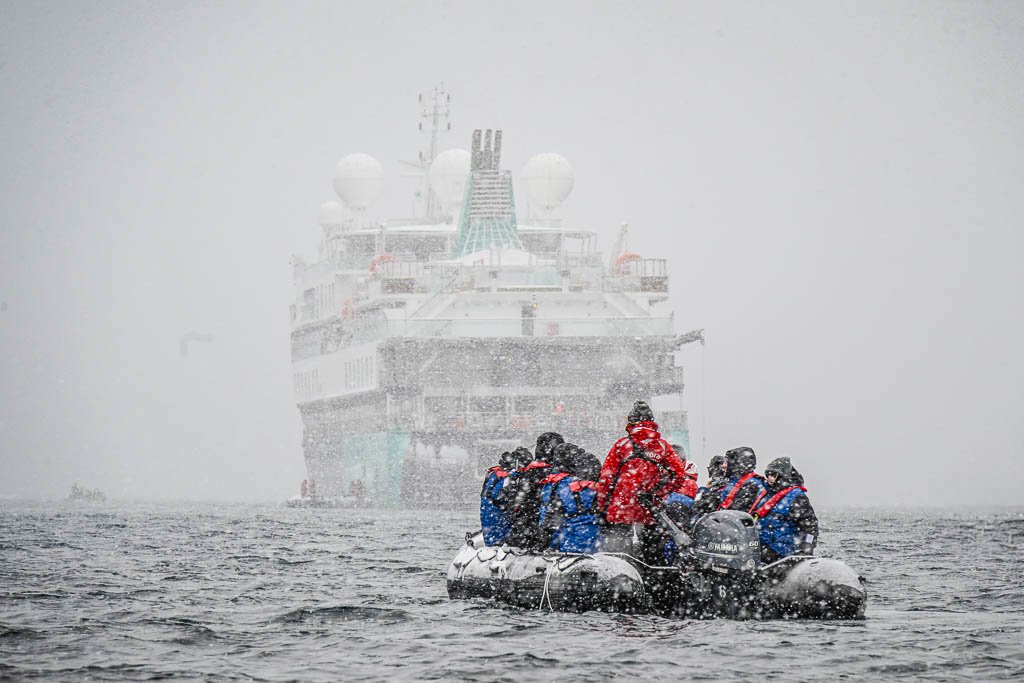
{"points": [[435, 110]]}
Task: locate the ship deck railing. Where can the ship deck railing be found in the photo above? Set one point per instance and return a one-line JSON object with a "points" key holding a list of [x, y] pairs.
{"points": [[344, 332], [535, 423], [340, 333], [530, 327]]}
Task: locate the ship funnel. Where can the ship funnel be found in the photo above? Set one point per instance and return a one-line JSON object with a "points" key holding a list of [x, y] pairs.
{"points": [[489, 214]]}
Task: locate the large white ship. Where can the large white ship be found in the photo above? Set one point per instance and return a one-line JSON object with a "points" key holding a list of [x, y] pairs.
{"points": [[422, 349]]}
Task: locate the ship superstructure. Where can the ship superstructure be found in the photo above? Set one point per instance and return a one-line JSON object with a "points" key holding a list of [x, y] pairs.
{"points": [[423, 349]]}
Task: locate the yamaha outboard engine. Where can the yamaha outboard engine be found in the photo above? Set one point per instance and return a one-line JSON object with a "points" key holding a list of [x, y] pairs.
{"points": [[726, 553], [726, 542]]}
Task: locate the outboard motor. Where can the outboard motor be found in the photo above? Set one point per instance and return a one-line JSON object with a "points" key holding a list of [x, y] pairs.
{"points": [[726, 554], [726, 542]]}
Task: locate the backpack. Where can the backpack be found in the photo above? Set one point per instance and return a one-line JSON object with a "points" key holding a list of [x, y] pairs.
{"points": [[665, 474]]}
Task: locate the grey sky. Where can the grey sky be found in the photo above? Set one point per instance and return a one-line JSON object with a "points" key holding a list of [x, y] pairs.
{"points": [[839, 189]]}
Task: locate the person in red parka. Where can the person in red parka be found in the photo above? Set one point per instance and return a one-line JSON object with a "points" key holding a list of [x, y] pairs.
{"points": [[641, 462]]}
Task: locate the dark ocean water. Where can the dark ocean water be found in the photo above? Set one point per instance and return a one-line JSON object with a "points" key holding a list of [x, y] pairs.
{"points": [[137, 592]]}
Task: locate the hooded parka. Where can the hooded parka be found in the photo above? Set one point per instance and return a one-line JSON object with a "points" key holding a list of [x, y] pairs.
{"points": [[641, 462]]}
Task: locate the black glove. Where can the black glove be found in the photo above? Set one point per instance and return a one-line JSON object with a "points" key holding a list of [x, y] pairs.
{"points": [[806, 548]]}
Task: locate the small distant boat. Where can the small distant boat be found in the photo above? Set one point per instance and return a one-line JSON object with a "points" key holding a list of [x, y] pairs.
{"points": [[79, 493], [320, 502], [308, 497]]}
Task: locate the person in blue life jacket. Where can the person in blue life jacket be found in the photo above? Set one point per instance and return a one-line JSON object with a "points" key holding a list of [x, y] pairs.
{"points": [[678, 506], [493, 522], [786, 522], [520, 497], [568, 509]]}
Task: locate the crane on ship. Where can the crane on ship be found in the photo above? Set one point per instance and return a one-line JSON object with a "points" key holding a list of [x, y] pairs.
{"points": [[619, 258]]}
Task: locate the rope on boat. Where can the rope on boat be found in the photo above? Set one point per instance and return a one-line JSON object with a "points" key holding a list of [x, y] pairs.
{"points": [[546, 594], [637, 560], [557, 563]]}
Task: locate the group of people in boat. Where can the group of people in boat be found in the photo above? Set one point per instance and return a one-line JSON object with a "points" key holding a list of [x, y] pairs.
{"points": [[560, 497]]}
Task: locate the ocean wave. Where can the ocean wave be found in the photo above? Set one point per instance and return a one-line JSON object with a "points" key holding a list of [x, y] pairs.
{"points": [[222, 592], [377, 615]]}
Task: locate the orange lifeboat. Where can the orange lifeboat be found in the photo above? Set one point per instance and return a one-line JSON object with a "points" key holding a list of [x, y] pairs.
{"points": [[379, 259], [622, 263]]}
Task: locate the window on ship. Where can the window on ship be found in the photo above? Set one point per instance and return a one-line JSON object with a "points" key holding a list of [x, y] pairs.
{"points": [[361, 244], [544, 243], [419, 247]]}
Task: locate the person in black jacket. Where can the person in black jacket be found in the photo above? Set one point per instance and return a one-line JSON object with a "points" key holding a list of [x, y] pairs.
{"points": [[568, 512], [586, 466], [743, 489], [546, 444], [520, 497], [716, 481], [786, 522], [716, 472]]}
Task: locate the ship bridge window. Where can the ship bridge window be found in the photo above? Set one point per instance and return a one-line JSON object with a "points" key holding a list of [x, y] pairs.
{"points": [[578, 243], [361, 244], [420, 246], [543, 243]]}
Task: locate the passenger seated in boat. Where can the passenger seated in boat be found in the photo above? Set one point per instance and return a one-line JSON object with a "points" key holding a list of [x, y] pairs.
{"points": [[640, 462], [586, 466], [680, 500], [520, 498], [716, 479], [786, 522], [568, 510], [493, 521], [678, 507], [743, 489]]}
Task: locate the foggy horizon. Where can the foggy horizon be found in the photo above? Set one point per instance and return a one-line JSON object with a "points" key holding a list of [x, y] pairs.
{"points": [[837, 190]]}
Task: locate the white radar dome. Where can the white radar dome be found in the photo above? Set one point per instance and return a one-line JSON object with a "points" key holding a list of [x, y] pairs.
{"points": [[448, 175], [331, 215], [549, 180], [358, 179]]}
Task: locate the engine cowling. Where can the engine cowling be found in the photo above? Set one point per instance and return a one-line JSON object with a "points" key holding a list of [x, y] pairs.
{"points": [[726, 541]]}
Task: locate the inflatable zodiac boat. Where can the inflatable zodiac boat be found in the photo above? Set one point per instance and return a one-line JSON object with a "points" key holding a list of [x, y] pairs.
{"points": [[719, 574]]}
